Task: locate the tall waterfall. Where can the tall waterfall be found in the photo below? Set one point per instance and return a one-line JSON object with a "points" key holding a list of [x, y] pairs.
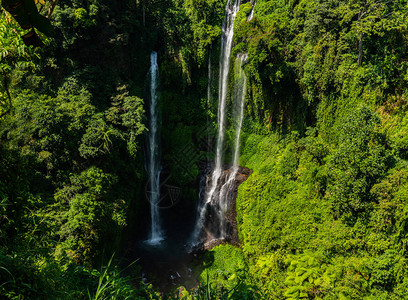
{"points": [[153, 163], [238, 116], [226, 45], [211, 192]]}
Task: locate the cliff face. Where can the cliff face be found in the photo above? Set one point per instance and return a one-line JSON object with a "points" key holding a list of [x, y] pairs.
{"points": [[214, 217]]}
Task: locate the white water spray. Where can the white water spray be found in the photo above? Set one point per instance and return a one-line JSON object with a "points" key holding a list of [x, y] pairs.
{"points": [[251, 15], [238, 116], [153, 165], [226, 45]]}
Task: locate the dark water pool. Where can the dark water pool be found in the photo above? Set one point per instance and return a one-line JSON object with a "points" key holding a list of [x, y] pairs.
{"points": [[169, 264]]}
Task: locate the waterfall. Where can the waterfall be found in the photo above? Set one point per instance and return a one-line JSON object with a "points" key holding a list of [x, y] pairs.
{"points": [[211, 194], [238, 116], [153, 163], [251, 15], [226, 45]]}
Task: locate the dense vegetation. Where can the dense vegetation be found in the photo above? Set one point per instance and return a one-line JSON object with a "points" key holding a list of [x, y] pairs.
{"points": [[324, 214]]}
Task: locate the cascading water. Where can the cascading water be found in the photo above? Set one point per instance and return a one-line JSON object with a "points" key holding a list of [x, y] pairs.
{"points": [[202, 188], [153, 162], [251, 15], [211, 187], [238, 116], [226, 45]]}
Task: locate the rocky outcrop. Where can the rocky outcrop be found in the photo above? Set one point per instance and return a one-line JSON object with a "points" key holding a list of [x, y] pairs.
{"points": [[222, 216], [231, 213]]}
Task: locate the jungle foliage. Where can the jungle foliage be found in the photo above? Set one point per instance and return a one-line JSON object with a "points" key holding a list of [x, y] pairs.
{"points": [[324, 214]]}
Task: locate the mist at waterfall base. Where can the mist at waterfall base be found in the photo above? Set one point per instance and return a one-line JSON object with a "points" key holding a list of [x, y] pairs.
{"points": [[213, 197], [158, 239], [166, 257], [168, 264]]}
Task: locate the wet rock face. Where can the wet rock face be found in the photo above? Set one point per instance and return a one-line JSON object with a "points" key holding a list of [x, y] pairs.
{"points": [[231, 213], [220, 223]]}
